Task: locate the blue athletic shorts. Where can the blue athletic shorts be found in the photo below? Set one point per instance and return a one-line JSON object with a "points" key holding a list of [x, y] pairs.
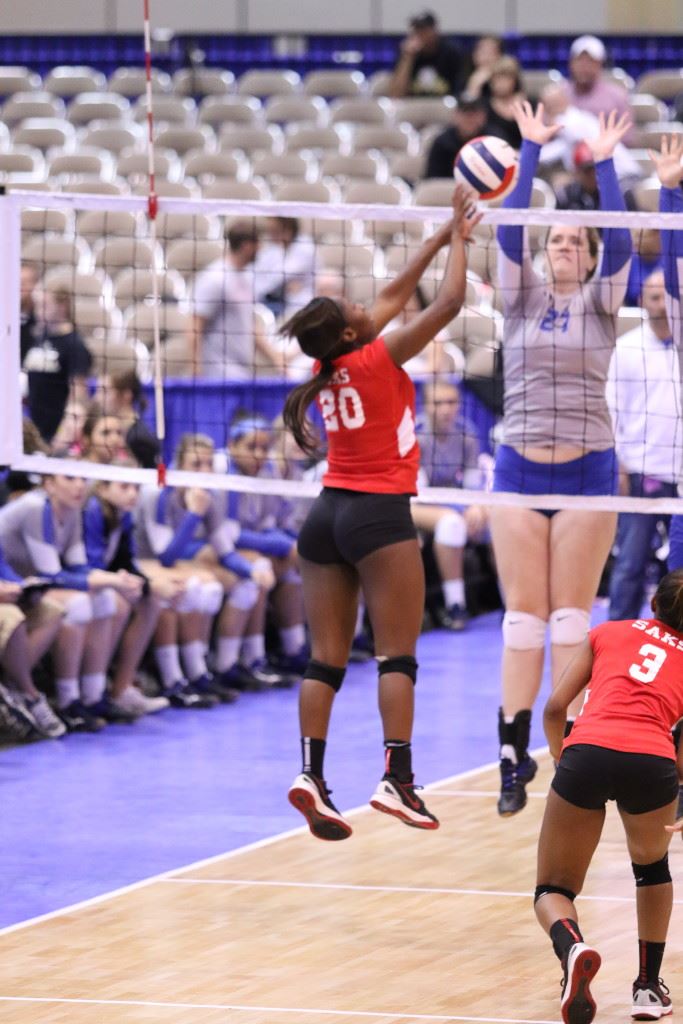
{"points": [[594, 473]]}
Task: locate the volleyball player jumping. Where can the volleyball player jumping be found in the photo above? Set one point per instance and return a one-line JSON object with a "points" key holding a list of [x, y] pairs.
{"points": [[359, 532], [558, 438], [621, 749]]}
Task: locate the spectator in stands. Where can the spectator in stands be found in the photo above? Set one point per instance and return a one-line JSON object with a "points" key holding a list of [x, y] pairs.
{"points": [[41, 535], [122, 395], [57, 362], [429, 64], [469, 119], [486, 52], [588, 87], [223, 332], [192, 530], [285, 267], [30, 277], [68, 441], [102, 436], [262, 518], [581, 192], [503, 89], [576, 125], [643, 392], [28, 626], [450, 457]]}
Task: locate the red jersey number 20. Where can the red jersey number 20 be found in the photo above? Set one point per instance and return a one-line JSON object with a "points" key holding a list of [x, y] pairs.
{"points": [[345, 405]]}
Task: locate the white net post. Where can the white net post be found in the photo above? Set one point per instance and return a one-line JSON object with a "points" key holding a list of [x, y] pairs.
{"points": [[11, 442]]}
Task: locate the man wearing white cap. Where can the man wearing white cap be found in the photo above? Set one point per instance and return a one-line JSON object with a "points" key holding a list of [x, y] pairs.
{"points": [[588, 88]]}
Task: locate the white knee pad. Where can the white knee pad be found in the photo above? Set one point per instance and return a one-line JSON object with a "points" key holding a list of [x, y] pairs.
{"points": [[451, 531], [78, 611], [522, 631], [191, 599], [103, 603], [211, 597], [244, 595], [291, 575], [569, 626]]}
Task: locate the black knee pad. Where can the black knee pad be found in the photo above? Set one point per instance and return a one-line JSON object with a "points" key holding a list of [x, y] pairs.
{"points": [[541, 890], [329, 674], [652, 874], [404, 663]]}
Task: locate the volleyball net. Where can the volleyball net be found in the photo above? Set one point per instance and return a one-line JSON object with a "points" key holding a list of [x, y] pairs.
{"points": [[208, 288]]}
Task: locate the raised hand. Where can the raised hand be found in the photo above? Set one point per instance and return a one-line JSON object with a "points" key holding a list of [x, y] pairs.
{"points": [[612, 130], [465, 216], [530, 123], [668, 163]]}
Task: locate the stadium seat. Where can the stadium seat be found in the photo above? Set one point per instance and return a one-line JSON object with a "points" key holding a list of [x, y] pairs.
{"points": [[95, 224], [82, 161], [21, 161], [629, 317], [134, 285], [40, 222], [391, 194], [219, 110], [97, 106], [22, 105], [643, 159], [113, 254], [251, 140], [354, 165], [167, 110], [433, 192], [422, 111], [621, 77], [348, 259], [650, 135], [16, 78], [318, 140], [176, 357], [647, 108], [379, 83], [132, 81], [391, 138], [268, 83], [92, 284], [91, 184], [139, 322], [335, 82], [307, 192], [58, 250], [92, 316], [111, 355], [535, 80], [362, 110], [133, 163], [664, 83], [68, 80], [187, 225], [181, 140], [227, 188], [173, 189], [44, 133], [287, 110], [285, 165], [188, 256], [207, 166], [200, 82], [115, 138], [646, 194], [408, 166]]}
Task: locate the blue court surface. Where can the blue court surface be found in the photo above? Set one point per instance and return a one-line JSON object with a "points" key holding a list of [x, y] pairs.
{"points": [[87, 814]]}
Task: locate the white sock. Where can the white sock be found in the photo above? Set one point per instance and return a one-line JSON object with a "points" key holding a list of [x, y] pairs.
{"points": [[193, 659], [292, 638], [67, 691], [253, 648], [227, 652], [168, 664], [92, 687], [453, 592]]}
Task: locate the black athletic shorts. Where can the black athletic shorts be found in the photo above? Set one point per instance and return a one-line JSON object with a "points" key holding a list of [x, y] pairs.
{"points": [[345, 526], [588, 776]]}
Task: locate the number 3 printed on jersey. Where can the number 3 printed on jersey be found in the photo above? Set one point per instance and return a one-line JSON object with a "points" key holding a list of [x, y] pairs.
{"points": [[652, 659], [344, 405]]}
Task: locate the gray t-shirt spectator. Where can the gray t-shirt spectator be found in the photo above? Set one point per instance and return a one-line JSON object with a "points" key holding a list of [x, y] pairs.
{"points": [[224, 298]]}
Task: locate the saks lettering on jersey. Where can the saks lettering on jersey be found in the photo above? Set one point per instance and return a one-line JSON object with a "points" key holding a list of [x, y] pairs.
{"points": [[654, 631]]}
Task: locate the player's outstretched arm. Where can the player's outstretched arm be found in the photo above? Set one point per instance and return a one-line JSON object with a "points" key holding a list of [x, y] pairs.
{"points": [[408, 341]]}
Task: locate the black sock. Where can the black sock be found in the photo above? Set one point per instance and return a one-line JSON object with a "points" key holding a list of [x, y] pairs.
{"points": [[398, 760], [650, 956], [564, 934], [313, 755]]}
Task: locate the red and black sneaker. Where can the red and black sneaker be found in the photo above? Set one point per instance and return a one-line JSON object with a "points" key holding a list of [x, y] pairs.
{"points": [[651, 1000], [400, 800], [311, 796], [577, 1003]]}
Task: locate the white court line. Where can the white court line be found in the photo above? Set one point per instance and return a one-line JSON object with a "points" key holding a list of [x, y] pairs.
{"points": [[342, 886], [206, 861], [275, 1009], [485, 792]]}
